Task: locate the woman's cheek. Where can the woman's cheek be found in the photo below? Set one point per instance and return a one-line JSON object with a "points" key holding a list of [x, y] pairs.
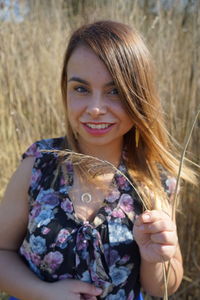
{"points": [[74, 104]]}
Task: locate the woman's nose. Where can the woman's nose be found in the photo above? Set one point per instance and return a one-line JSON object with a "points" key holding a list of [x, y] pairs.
{"points": [[96, 107]]}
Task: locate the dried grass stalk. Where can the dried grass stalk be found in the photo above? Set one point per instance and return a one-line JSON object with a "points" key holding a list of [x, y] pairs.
{"points": [[95, 166], [175, 202], [187, 140]]}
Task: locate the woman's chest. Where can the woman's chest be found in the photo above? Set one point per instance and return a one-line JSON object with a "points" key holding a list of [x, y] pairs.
{"points": [[87, 204]]}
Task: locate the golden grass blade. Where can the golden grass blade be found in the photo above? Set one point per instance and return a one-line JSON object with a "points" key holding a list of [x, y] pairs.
{"points": [[174, 205], [192, 162], [96, 163], [165, 296]]}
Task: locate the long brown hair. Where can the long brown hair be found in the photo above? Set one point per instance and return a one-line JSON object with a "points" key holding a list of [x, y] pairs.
{"points": [[128, 60]]}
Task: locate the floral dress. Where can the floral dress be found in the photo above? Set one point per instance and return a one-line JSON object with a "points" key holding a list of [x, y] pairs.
{"points": [[58, 245]]}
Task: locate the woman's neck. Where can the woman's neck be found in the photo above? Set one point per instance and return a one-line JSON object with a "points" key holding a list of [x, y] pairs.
{"points": [[110, 153]]}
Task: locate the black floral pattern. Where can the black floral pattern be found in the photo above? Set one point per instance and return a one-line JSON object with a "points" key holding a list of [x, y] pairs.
{"points": [[58, 245]]}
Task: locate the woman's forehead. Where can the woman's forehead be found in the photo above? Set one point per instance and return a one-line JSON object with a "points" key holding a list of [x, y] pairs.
{"points": [[84, 63]]}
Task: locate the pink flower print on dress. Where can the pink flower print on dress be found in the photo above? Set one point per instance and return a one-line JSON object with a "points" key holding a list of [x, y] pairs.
{"points": [[53, 260], [36, 259], [122, 183], [118, 213], [33, 151], [62, 236], [45, 230], [67, 206], [126, 203]]}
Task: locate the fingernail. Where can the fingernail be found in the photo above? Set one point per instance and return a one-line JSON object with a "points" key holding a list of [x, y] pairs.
{"points": [[146, 217]]}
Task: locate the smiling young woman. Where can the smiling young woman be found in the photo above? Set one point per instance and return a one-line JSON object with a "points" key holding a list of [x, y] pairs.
{"points": [[72, 224], [96, 113]]}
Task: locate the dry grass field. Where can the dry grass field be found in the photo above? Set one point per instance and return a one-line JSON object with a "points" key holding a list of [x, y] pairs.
{"points": [[31, 55]]}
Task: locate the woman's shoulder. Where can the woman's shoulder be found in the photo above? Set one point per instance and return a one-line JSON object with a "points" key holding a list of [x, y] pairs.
{"points": [[44, 146]]}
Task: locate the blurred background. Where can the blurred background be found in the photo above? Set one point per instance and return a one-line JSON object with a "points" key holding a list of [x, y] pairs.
{"points": [[33, 37]]}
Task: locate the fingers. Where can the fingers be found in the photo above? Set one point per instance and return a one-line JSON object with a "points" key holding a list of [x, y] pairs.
{"points": [[167, 238], [155, 221], [156, 236], [151, 216], [164, 252], [158, 226], [88, 297], [85, 288]]}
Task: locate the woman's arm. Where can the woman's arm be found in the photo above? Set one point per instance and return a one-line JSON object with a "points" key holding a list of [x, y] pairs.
{"points": [[15, 277], [156, 236], [152, 276]]}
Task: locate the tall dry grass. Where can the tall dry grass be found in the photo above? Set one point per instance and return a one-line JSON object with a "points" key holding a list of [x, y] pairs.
{"points": [[30, 102]]}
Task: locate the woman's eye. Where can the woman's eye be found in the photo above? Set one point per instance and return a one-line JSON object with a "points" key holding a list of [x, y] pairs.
{"points": [[80, 89], [114, 92]]}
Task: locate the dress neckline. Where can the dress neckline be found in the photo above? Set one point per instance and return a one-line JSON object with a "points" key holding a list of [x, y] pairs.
{"points": [[109, 203]]}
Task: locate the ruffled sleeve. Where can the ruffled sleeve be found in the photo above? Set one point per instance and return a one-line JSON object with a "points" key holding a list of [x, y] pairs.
{"points": [[45, 164], [37, 170], [36, 148], [33, 150]]}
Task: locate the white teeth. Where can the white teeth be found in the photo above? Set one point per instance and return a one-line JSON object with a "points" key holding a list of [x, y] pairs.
{"points": [[98, 126]]}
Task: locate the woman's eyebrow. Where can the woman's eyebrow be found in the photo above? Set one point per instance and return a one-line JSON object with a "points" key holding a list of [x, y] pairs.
{"points": [[111, 83], [77, 79]]}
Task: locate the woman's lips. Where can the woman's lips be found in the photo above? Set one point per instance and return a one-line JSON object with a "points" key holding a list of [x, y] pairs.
{"points": [[98, 128]]}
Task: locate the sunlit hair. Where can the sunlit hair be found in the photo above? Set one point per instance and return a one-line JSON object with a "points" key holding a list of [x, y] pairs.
{"points": [[128, 60]]}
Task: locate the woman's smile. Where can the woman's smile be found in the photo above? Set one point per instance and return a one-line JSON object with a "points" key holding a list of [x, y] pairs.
{"points": [[98, 128]]}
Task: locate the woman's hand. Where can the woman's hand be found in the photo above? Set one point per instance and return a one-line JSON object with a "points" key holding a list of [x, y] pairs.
{"points": [[70, 289], [156, 236]]}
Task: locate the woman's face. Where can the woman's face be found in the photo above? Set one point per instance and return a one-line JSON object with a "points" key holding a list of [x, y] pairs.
{"points": [[95, 111]]}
